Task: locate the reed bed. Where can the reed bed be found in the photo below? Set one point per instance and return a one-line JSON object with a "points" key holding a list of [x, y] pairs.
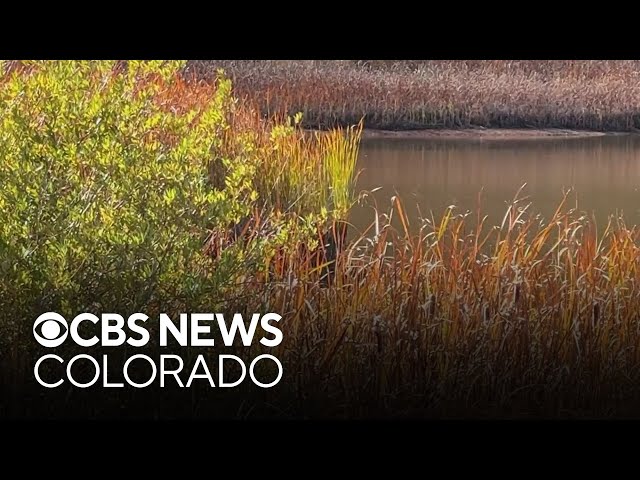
{"points": [[397, 95], [529, 318]]}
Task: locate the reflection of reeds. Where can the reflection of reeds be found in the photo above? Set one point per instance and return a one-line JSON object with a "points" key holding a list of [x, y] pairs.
{"points": [[606, 162], [602, 172], [598, 95]]}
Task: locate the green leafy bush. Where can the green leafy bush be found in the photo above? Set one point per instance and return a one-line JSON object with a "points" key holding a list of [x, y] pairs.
{"points": [[106, 200]]}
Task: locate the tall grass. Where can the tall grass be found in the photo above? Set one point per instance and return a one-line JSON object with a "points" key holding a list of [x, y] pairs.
{"points": [[526, 318], [298, 172], [591, 95], [341, 155]]}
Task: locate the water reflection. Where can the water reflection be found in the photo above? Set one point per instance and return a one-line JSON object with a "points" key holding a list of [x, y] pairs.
{"points": [[431, 174]]}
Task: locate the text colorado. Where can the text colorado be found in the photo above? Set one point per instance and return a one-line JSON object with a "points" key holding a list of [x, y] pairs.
{"points": [[192, 330]]}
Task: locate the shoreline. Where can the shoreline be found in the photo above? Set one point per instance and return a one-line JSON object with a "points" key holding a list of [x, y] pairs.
{"points": [[488, 133]]}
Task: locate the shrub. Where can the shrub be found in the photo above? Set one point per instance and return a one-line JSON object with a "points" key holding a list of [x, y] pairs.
{"points": [[106, 200]]}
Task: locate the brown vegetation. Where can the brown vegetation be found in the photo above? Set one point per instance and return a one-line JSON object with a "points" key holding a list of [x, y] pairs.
{"points": [[583, 95], [524, 319]]}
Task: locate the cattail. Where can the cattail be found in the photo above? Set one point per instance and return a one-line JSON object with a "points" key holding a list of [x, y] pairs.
{"points": [[378, 326], [595, 317], [432, 305], [486, 313]]}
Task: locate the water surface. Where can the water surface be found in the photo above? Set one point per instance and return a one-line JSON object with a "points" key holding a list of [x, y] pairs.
{"points": [[431, 174]]}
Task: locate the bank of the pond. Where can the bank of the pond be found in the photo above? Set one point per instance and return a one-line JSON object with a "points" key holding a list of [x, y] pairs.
{"points": [[487, 133], [484, 133]]}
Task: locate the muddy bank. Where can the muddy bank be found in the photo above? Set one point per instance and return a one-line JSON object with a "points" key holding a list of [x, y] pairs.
{"points": [[487, 133]]}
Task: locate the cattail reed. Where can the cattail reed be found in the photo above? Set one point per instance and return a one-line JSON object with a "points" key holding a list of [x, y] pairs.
{"points": [[585, 95], [432, 305], [486, 313]]}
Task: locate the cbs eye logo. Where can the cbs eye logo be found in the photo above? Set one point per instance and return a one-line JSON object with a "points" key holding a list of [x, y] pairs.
{"points": [[50, 329]]}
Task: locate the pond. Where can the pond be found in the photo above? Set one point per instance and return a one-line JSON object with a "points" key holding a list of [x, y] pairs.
{"points": [[431, 174]]}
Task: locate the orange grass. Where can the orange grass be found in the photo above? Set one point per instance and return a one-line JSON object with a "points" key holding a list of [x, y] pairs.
{"points": [[529, 318]]}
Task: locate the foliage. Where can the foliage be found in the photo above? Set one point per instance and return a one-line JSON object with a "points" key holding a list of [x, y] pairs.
{"points": [[117, 176], [114, 177]]}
